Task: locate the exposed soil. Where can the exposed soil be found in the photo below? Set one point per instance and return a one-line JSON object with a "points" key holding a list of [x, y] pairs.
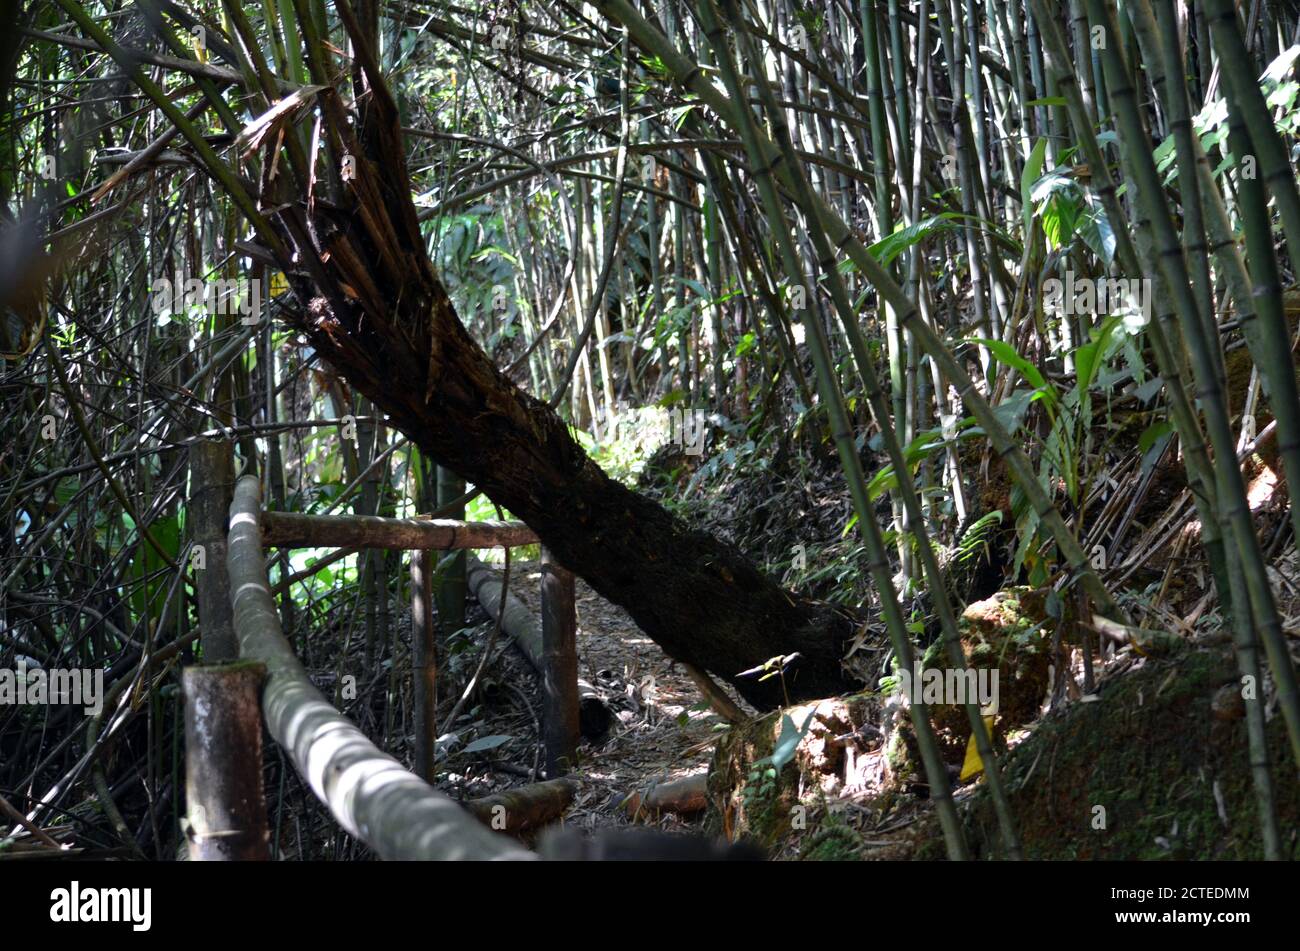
{"points": [[661, 735]]}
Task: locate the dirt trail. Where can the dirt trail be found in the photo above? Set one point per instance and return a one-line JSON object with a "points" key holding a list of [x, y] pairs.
{"points": [[665, 736]]}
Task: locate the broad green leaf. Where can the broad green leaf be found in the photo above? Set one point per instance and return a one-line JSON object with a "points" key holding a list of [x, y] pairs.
{"points": [[891, 246], [1097, 234], [487, 743], [1060, 217], [1153, 433], [1007, 354], [1033, 169], [1088, 357], [1011, 411], [1051, 183], [789, 740]]}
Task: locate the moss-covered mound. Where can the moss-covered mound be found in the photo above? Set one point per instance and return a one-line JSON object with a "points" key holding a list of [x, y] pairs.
{"points": [[1008, 633], [1155, 768]]}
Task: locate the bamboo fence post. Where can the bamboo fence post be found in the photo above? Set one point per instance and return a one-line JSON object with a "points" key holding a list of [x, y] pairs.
{"points": [[560, 674], [211, 479], [223, 762], [451, 586], [424, 665]]}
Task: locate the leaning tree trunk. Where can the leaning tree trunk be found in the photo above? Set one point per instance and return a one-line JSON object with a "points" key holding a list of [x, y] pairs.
{"points": [[699, 598], [374, 309]]}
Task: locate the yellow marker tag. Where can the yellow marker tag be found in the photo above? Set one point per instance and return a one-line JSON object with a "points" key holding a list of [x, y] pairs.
{"points": [[974, 765], [279, 284]]}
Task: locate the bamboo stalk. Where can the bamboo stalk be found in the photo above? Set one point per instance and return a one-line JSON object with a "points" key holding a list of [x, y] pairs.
{"points": [[914, 521], [1231, 487], [843, 238], [843, 436]]}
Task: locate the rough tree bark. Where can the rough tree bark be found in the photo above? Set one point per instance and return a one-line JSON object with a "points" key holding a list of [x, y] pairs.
{"points": [[377, 312]]}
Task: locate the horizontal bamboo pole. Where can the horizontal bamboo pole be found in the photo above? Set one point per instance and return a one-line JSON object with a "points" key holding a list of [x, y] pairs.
{"points": [[369, 793], [293, 530], [525, 807]]}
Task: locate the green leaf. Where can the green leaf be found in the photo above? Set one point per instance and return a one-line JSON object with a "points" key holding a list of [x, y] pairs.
{"points": [[487, 743], [1007, 354], [788, 741], [65, 490], [1060, 216], [1051, 183], [1153, 433], [891, 246], [696, 286], [1088, 356], [1011, 411], [1097, 234], [1160, 434], [1033, 169], [919, 448], [1164, 155], [494, 250]]}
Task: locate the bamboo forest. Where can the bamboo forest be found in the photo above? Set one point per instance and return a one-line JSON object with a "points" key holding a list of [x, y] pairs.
{"points": [[765, 430]]}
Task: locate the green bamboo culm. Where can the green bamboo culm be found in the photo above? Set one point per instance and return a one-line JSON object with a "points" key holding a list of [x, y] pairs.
{"points": [[842, 237], [1231, 487], [1163, 332], [1246, 111], [915, 522], [1258, 230], [218, 169], [842, 433], [1236, 603]]}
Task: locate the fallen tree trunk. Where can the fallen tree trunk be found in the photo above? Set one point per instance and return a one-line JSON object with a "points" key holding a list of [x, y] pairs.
{"points": [[697, 597], [371, 794]]}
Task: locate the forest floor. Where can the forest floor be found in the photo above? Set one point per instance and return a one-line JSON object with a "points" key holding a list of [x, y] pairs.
{"points": [[663, 732]]}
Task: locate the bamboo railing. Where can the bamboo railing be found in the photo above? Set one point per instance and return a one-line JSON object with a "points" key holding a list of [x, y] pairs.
{"points": [[369, 793]]}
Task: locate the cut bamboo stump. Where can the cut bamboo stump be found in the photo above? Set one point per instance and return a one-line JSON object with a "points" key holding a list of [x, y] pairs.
{"points": [[681, 796], [223, 763]]}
